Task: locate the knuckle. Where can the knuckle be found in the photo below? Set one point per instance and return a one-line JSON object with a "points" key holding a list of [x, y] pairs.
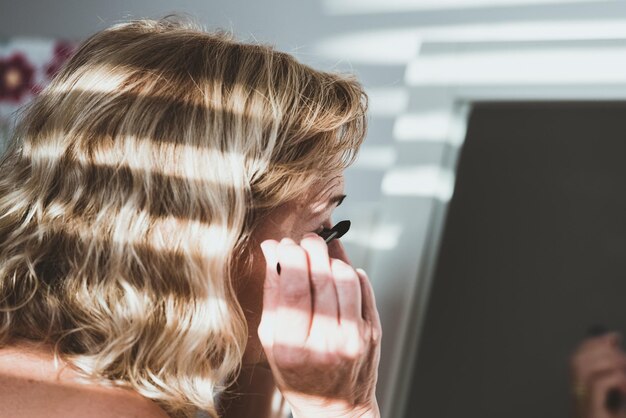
{"points": [[291, 252], [366, 331], [291, 292], [347, 285], [377, 334], [357, 349], [295, 290], [321, 279], [354, 343]]}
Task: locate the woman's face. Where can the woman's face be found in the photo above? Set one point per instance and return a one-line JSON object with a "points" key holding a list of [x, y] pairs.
{"points": [[291, 220]]}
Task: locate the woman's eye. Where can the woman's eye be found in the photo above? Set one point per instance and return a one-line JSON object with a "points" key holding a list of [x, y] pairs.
{"points": [[324, 227]]}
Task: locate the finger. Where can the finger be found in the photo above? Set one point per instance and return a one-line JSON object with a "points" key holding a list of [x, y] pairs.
{"points": [[322, 285], [595, 357], [609, 340], [614, 339], [600, 369], [370, 313], [271, 285], [598, 352], [271, 292], [336, 250], [602, 387], [293, 315], [349, 295], [591, 371]]}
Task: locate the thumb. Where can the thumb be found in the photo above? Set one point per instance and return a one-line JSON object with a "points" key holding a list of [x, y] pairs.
{"points": [[270, 293], [269, 249]]}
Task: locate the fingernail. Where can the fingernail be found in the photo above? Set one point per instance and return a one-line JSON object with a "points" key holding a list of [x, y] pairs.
{"points": [[287, 241]]}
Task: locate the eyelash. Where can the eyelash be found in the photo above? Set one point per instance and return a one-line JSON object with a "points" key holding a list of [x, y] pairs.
{"points": [[322, 228]]}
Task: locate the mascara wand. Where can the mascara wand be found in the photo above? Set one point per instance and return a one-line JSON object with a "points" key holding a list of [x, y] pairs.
{"points": [[337, 231]]}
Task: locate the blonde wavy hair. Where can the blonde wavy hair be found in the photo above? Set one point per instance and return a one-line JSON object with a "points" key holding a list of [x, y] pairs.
{"points": [[133, 183]]}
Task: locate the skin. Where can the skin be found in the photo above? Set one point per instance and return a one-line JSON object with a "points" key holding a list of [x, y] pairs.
{"points": [[32, 386], [598, 366], [318, 315]]}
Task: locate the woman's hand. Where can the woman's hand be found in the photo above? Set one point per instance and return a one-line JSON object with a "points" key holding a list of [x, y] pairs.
{"points": [[598, 368], [320, 330]]}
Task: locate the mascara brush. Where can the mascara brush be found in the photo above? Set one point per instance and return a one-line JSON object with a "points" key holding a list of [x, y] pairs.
{"points": [[337, 231]]}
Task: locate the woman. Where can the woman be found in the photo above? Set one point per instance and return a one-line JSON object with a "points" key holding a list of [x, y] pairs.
{"points": [[134, 200]]}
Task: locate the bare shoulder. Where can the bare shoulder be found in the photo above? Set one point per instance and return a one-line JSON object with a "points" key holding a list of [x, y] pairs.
{"points": [[114, 405], [32, 386], [34, 399]]}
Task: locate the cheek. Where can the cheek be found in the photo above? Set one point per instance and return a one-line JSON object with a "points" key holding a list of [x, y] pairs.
{"points": [[283, 224], [256, 275], [294, 231], [250, 288]]}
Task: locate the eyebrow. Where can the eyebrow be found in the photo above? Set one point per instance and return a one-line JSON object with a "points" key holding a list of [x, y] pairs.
{"points": [[338, 199]]}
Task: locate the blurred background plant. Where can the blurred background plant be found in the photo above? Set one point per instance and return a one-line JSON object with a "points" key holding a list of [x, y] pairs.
{"points": [[26, 66]]}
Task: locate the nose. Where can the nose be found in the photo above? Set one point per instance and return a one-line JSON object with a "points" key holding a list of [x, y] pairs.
{"points": [[336, 250]]}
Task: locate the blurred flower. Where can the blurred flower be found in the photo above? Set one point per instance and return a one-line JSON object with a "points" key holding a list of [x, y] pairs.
{"points": [[63, 51], [16, 78]]}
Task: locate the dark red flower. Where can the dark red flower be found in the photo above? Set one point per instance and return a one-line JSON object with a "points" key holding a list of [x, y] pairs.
{"points": [[63, 51], [16, 77]]}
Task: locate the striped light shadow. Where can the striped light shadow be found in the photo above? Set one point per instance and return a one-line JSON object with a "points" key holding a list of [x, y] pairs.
{"points": [[179, 161], [438, 126], [425, 181], [375, 157], [152, 267], [315, 342], [358, 7], [401, 46], [554, 65], [387, 101], [96, 78], [380, 237], [385, 48], [131, 226]]}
